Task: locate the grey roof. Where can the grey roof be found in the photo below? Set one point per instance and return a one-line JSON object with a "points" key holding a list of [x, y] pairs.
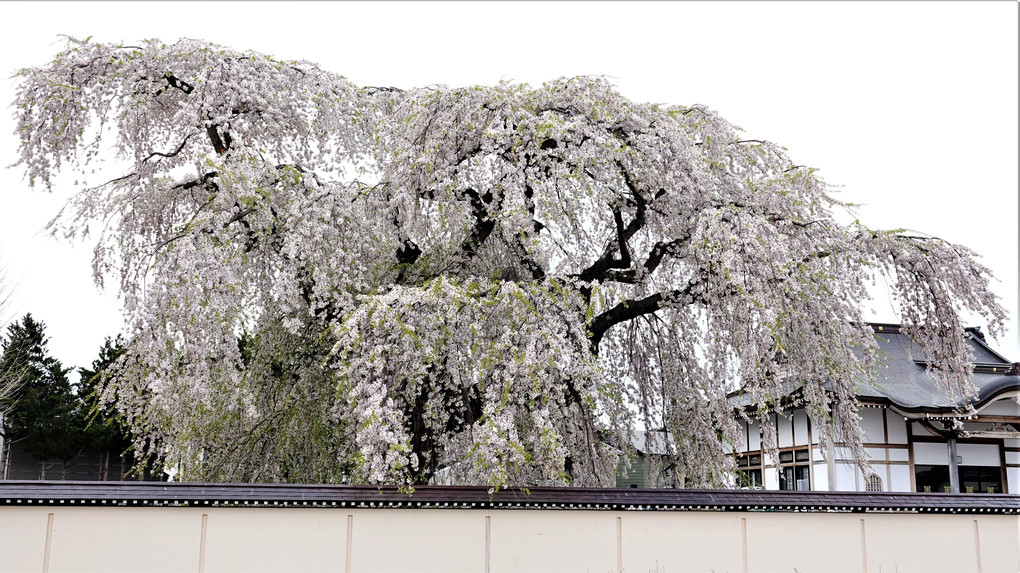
{"points": [[903, 379]]}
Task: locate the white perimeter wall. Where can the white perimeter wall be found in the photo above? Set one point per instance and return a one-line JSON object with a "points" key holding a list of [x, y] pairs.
{"points": [[57, 539]]}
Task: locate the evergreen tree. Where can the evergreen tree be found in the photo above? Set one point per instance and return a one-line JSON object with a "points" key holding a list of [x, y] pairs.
{"points": [[10, 378], [104, 430], [46, 418]]}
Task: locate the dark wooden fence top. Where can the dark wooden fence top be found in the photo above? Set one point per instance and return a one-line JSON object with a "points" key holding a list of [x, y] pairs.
{"points": [[92, 493]]}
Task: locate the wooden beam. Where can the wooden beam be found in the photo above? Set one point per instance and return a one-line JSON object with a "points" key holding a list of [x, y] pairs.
{"points": [[996, 419], [1003, 435]]}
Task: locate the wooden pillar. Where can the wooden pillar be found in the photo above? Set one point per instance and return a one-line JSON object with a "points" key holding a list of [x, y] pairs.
{"points": [[830, 462], [954, 468], [5, 458]]}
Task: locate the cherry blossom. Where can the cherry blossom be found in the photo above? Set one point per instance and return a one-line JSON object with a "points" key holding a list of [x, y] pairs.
{"points": [[494, 285]]}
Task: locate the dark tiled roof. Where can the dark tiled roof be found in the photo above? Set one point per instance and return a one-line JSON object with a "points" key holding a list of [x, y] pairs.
{"points": [[121, 494], [904, 382]]}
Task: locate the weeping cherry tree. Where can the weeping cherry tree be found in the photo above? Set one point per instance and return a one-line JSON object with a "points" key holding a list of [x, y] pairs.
{"points": [[493, 285]]}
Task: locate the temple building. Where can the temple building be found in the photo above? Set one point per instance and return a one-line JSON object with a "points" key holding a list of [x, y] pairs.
{"points": [[917, 437]]}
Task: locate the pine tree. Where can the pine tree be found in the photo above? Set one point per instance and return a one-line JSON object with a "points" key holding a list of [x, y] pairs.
{"points": [[105, 430], [45, 419], [10, 378]]}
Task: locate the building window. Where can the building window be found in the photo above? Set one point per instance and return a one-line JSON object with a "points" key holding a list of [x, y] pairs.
{"points": [[980, 479], [795, 470], [973, 479], [749, 471], [932, 479], [873, 483]]}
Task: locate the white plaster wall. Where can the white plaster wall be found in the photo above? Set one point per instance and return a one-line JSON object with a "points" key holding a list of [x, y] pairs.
{"points": [[773, 545], [897, 426], [754, 434], [846, 476], [876, 454], [250, 539], [820, 477], [917, 430], [129, 539], [931, 453], [22, 538], [232, 544], [553, 541], [800, 428], [978, 454], [666, 542], [893, 546], [899, 478], [871, 422], [433, 540], [742, 445], [897, 454], [1013, 481], [784, 430]]}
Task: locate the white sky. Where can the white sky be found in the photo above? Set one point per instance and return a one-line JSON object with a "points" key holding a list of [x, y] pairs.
{"points": [[910, 107]]}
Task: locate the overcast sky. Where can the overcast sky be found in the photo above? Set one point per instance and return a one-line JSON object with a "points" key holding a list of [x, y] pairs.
{"points": [[910, 108]]}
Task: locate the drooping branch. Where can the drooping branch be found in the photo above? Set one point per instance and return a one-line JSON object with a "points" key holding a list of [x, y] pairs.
{"points": [[170, 154], [631, 309], [407, 253], [529, 202]]}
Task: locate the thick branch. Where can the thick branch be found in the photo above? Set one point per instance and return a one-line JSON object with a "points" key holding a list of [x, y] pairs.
{"points": [[200, 182], [173, 81], [627, 310], [617, 252], [631, 309], [408, 252], [483, 224], [659, 251], [220, 144]]}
